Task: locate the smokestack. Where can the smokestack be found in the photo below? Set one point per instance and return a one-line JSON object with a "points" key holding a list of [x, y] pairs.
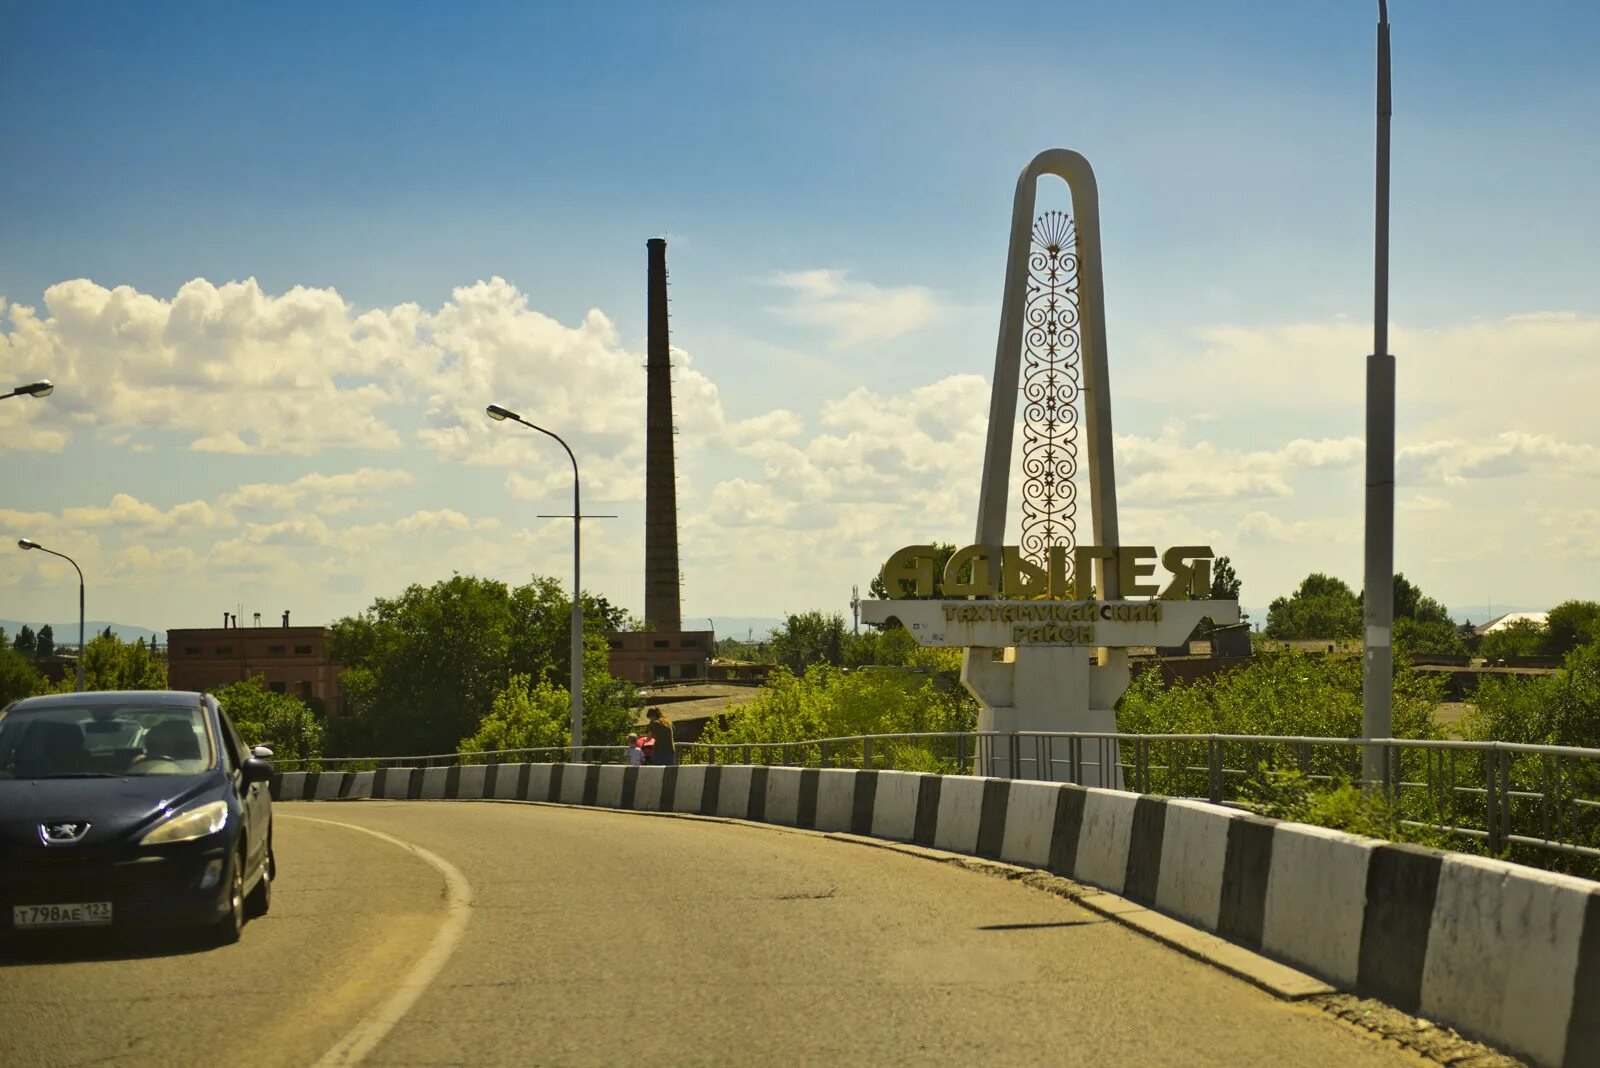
{"points": [[661, 608], [224, 621], [286, 618]]}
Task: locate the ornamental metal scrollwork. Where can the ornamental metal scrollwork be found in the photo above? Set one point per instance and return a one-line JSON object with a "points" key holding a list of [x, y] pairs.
{"points": [[1051, 383]]}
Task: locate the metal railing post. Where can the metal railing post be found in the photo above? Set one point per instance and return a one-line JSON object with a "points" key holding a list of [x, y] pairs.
{"points": [[866, 752], [1214, 770], [1014, 747], [822, 761], [1491, 801]]}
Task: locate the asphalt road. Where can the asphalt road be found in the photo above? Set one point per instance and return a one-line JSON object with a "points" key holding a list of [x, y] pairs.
{"points": [[588, 937]]}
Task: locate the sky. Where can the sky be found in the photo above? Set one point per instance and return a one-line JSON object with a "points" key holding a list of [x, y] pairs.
{"points": [[278, 258]]}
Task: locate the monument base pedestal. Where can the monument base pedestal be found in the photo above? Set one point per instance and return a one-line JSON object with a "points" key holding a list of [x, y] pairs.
{"points": [[1048, 689]]}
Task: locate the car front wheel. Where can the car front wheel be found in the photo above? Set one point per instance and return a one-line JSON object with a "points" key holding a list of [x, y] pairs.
{"points": [[260, 899], [226, 930]]}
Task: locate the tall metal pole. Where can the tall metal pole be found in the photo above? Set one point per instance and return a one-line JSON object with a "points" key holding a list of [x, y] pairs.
{"points": [[577, 605], [1377, 677], [81, 648], [575, 694]]}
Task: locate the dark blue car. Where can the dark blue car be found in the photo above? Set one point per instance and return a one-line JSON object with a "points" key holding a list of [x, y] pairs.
{"points": [[131, 810]]}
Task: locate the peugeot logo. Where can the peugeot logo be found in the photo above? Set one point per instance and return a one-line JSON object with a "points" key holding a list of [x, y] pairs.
{"points": [[62, 833]]}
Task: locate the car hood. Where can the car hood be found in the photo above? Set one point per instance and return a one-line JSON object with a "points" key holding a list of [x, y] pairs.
{"points": [[113, 808]]}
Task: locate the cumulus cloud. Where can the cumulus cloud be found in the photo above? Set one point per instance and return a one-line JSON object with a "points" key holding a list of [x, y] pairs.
{"points": [[853, 313], [327, 494], [1503, 455], [1171, 469], [1452, 381], [229, 368]]}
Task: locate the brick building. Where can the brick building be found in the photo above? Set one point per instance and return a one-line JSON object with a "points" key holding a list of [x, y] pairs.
{"points": [[293, 660], [647, 656]]}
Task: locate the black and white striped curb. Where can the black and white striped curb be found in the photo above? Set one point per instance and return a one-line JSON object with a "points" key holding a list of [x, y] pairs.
{"points": [[1505, 953]]}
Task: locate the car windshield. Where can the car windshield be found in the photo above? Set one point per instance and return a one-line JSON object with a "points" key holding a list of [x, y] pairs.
{"points": [[88, 741]]}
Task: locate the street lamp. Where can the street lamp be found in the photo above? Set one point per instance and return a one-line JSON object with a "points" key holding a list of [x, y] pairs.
{"points": [[25, 543], [41, 388], [500, 414]]}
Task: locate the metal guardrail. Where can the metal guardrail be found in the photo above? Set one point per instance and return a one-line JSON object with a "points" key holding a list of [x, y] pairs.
{"points": [[1506, 796]]}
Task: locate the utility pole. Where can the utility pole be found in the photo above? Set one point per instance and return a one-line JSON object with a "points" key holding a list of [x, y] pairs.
{"points": [[855, 609], [1377, 675]]}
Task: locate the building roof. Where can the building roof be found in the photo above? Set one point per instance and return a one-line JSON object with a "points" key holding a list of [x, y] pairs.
{"points": [[1502, 622]]}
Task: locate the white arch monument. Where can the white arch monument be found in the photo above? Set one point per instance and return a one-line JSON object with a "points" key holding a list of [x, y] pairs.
{"points": [[1047, 624]]}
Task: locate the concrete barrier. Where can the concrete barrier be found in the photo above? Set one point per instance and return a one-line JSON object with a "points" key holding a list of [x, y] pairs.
{"points": [[647, 790], [540, 776], [691, 787], [1316, 900], [433, 783], [836, 793], [1507, 954], [783, 795], [360, 785], [1498, 931], [393, 784], [471, 783], [894, 809], [1102, 856], [1194, 849], [608, 793], [1030, 823], [733, 796], [960, 813], [573, 780]]}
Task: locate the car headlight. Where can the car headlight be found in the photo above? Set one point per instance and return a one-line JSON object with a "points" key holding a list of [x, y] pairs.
{"points": [[189, 824]]}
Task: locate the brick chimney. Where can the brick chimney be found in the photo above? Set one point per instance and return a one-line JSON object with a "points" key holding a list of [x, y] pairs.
{"points": [[661, 607]]}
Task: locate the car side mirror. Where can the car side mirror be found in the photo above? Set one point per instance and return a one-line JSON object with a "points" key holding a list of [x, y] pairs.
{"points": [[256, 770], [261, 751]]}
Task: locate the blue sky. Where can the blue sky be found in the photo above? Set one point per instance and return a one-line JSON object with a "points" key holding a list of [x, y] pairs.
{"points": [[387, 155]]}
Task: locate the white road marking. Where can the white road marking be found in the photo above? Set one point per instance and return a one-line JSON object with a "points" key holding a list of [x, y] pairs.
{"points": [[364, 1037]]}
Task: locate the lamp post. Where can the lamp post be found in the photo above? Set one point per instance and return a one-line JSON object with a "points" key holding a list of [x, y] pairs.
{"points": [[1377, 662], [500, 414], [25, 543], [41, 388]]}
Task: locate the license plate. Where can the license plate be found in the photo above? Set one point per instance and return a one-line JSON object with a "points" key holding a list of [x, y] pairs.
{"points": [[82, 914]]}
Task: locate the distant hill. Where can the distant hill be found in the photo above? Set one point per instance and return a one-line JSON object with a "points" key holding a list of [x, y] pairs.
{"points": [[756, 628], [67, 633]]}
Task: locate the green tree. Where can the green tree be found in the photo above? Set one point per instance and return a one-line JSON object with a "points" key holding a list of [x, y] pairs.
{"points": [[893, 646], [1569, 625], [525, 715], [1412, 603], [1285, 694], [1559, 709], [1413, 638], [1225, 582], [424, 668], [109, 663], [279, 721], [828, 702], [45, 645], [809, 638], [1322, 607], [1520, 637], [18, 678], [25, 642]]}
